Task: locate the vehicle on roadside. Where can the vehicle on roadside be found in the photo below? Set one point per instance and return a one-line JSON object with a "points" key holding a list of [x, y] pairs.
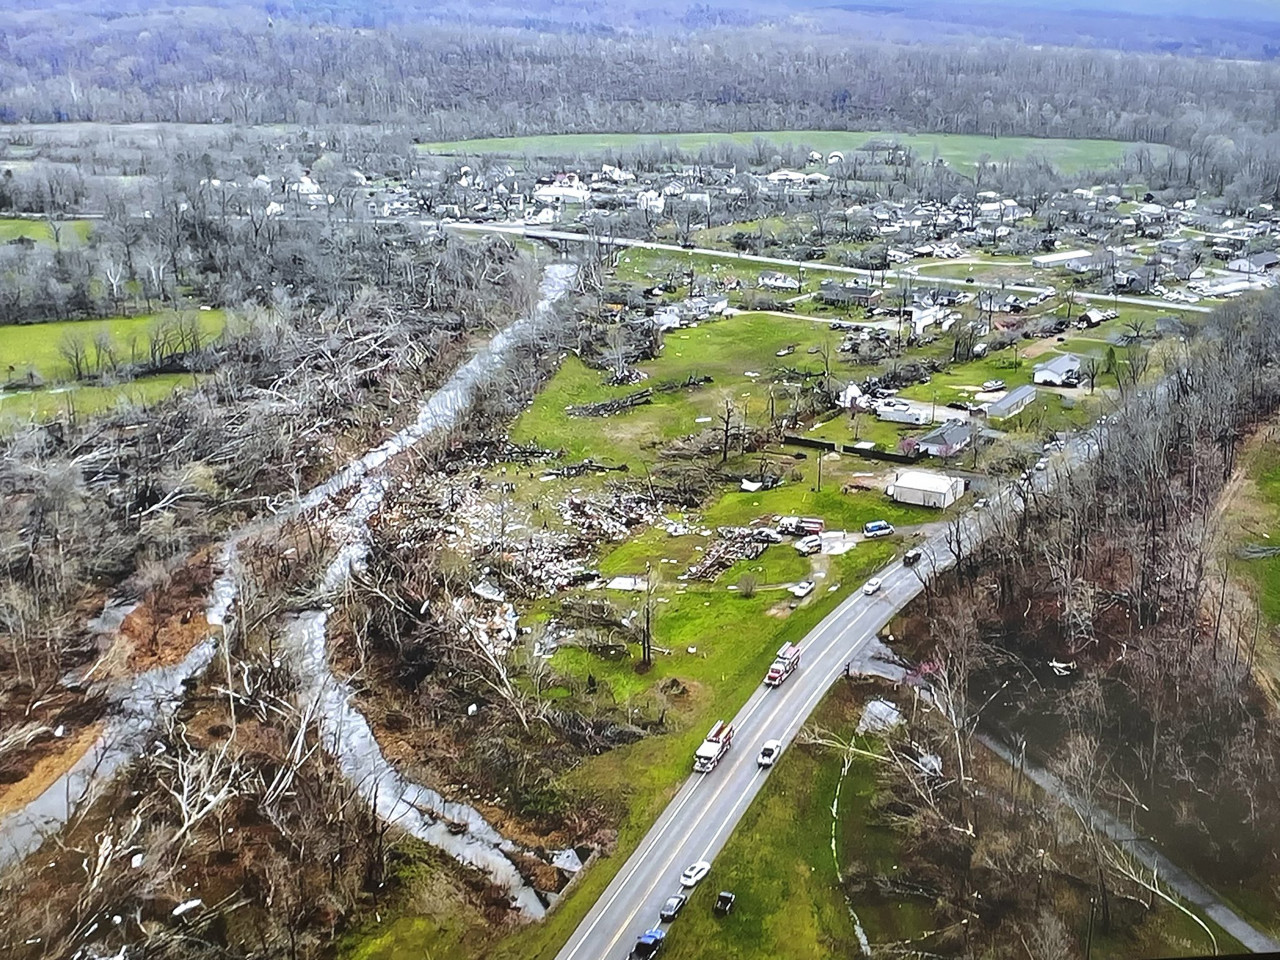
{"points": [[877, 528], [912, 557], [808, 546], [724, 903], [769, 753], [872, 586], [712, 750], [671, 909], [649, 944], [694, 874], [802, 589], [784, 664]]}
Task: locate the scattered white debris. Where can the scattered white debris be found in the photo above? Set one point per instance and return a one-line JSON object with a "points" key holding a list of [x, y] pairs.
{"points": [[879, 716], [59, 731], [488, 591], [1062, 669], [690, 649], [567, 860], [136, 862], [187, 906], [632, 584], [473, 709]]}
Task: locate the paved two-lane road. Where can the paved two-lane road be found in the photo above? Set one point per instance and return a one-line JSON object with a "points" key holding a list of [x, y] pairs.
{"points": [[921, 280], [702, 815]]}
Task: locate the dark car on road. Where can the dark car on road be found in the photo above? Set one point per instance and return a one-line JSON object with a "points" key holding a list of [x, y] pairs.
{"points": [[671, 909], [649, 944]]}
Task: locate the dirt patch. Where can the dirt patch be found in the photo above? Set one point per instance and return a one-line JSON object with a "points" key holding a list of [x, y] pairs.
{"points": [[779, 611], [56, 756]]}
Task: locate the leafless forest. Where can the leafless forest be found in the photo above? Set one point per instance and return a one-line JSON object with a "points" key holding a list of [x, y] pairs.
{"points": [[308, 483]]}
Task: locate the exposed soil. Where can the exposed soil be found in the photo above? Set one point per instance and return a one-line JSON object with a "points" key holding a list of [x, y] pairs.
{"points": [[167, 624], [27, 773]]}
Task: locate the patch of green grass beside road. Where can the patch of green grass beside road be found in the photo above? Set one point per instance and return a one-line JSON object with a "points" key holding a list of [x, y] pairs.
{"points": [[69, 231]]}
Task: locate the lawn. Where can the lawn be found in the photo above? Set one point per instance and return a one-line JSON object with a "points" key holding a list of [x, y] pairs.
{"points": [[841, 511], [960, 150], [960, 381], [735, 643], [69, 231], [38, 346], [724, 350], [24, 406]]}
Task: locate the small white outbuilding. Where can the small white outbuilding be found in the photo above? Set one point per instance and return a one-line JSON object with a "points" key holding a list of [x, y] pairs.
{"points": [[924, 489]]}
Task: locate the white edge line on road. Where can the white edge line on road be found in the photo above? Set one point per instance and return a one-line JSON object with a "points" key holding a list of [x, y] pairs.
{"points": [[643, 899]]}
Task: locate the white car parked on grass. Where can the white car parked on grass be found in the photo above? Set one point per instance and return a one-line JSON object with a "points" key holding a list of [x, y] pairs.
{"points": [[693, 876]]}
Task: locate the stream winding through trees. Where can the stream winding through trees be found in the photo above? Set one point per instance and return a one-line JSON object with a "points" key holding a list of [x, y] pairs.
{"points": [[141, 701]]}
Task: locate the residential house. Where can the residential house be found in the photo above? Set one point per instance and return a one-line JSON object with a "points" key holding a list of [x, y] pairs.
{"points": [[945, 440], [1060, 371], [847, 294], [1258, 263], [779, 281]]}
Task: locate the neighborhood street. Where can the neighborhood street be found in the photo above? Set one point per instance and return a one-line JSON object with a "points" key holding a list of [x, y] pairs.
{"points": [[566, 236]]}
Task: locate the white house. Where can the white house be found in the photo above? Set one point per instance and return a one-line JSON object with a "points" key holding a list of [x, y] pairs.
{"points": [[946, 440], [926, 489], [1060, 371], [779, 281]]}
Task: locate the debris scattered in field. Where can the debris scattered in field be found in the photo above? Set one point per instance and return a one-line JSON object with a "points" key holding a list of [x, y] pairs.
{"points": [[879, 716], [733, 544]]}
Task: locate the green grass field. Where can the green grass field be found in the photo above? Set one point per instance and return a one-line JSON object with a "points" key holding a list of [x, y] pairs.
{"points": [[69, 231], [83, 401], [958, 149], [724, 350], [38, 346]]}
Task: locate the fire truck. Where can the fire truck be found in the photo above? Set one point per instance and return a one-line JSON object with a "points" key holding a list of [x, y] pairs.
{"points": [[787, 660], [712, 750]]}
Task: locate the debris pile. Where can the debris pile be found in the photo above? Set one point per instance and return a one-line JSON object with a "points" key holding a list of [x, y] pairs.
{"points": [[610, 519], [607, 408], [732, 544]]}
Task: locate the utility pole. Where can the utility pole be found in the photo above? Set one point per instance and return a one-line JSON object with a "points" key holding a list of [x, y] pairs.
{"points": [[818, 488], [1088, 942], [646, 642]]}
